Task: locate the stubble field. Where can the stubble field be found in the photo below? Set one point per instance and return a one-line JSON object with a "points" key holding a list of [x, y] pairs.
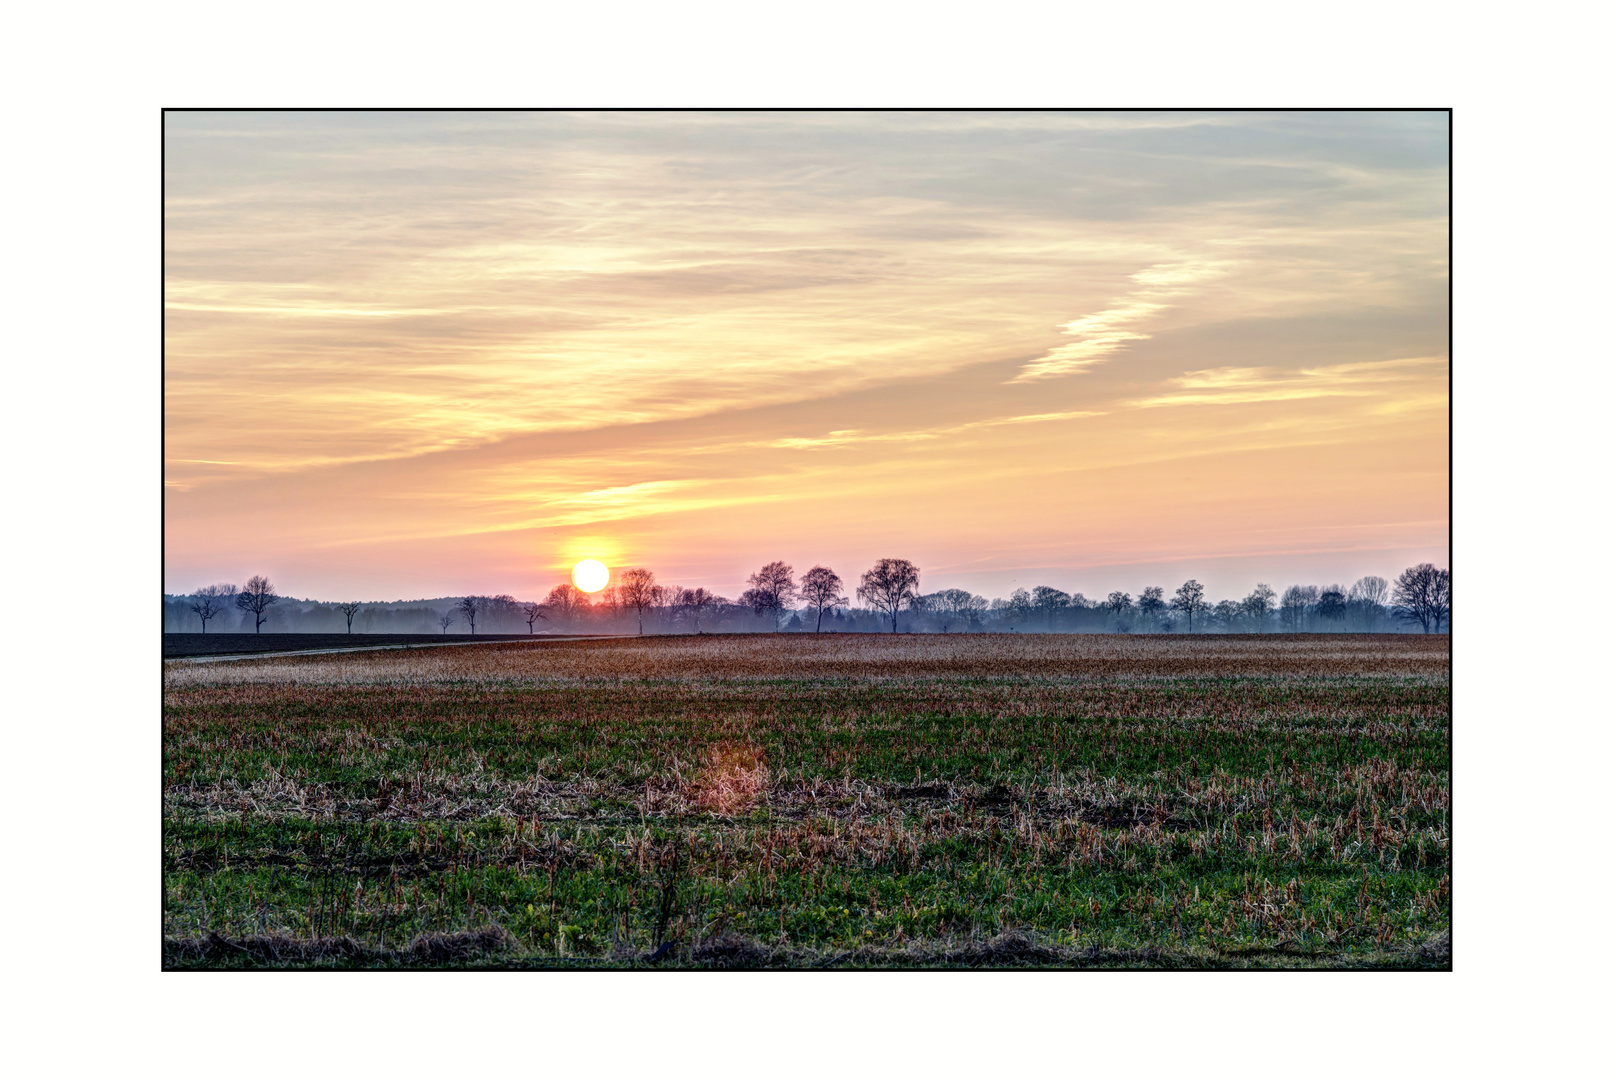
{"points": [[799, 801]]}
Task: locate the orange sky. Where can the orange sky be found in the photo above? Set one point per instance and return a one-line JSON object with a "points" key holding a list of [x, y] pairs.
{"points": [[415, 355]]}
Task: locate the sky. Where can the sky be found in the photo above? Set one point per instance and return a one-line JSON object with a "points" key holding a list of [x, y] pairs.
{"points": [[430, 354]]}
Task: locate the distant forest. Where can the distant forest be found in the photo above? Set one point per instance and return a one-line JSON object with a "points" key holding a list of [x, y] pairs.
{"points": [[888, 599]]}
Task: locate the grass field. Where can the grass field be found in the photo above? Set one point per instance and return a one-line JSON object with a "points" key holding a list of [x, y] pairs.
{"points": [[798, 801]]}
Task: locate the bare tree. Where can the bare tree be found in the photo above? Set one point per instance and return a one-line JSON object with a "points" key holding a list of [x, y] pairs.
{"points": [[257, 596], [697, 600], [1331, 603], [350, 608], [1258, 605], [661, 598], [973, 610], [954, 605], [771, 589], [1423, 595], [469, 608], [1118, 604], [1366, 601], [1373, 589], [445, 619], [1050, 601], [500, 610], [1190, 599], [1297, 606], [821, 588], [1152, 603], [211, 601], [567, 601], [636, 590], [888, 585], [1017, 608], [532, 613]]}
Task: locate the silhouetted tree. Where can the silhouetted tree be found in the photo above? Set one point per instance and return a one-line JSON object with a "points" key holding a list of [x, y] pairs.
{"points": [[445, 619], [635, 591], [1423, 595], [661, 598], [888, 585], [469, 608], [771, 589], [1331, 603], [821, 588], [1373, 589], [567, 601], [349, 609], [1017, 608], [1050, 601], [500, 611], [532, 613], [1189, 600], [972, 610], [953, 606], [1118, 604], [1366, 601], [210, 602], [1226, 613], [257, 596], [697, 601], [1297, 605], [1258, 605], [1152, 603]]}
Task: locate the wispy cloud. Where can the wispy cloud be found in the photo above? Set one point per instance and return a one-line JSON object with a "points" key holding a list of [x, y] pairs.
{"points": [[852, 437], [1101, 334], [1251, 385]]}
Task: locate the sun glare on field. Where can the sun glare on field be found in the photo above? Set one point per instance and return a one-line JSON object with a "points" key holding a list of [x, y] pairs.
{"points": [[590, 575]]}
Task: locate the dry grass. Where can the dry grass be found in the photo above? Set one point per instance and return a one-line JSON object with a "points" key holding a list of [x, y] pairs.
{"points": [[854, 656]]}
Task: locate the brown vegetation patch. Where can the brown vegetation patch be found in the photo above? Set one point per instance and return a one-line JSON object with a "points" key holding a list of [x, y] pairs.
{"points": [[731, 780], [856, 656]]}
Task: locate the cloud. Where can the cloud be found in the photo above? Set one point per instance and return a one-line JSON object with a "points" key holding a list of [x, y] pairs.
{"points": [[847, 438], [1251, 385], [1100, 334]]}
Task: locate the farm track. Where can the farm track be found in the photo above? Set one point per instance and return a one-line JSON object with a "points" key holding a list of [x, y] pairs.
{"points": [[224, 657]]}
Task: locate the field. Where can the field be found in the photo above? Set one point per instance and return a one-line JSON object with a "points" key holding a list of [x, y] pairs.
{"points": [[848, 801]]}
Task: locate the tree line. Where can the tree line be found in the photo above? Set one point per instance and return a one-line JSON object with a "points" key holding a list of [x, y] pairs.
{"points": [[888, 599]]}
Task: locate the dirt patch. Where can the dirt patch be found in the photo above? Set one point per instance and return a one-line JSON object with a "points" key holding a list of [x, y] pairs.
{"points": [[731, 952], [277, 951], [1133, 817]]}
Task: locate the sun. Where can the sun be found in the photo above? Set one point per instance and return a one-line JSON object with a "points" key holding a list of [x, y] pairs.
{"points": [[590, 575]]}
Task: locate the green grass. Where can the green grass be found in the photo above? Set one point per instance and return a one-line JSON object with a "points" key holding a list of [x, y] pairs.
{"points": [[1046, 820]]}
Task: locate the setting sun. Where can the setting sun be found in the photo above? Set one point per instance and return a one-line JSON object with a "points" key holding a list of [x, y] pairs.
{"points": [[590, 575]]}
